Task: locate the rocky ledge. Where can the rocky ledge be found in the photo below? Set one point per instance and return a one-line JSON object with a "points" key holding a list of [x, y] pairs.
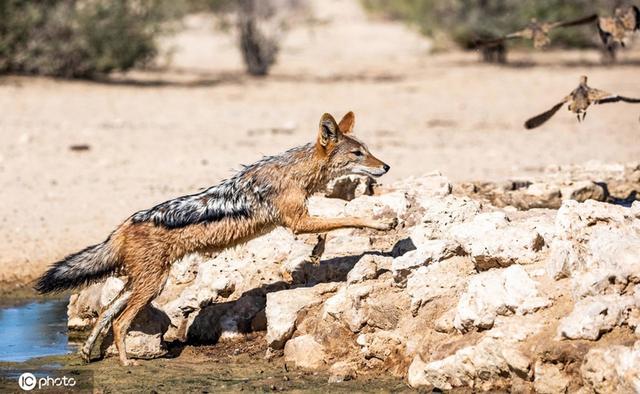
{"points": [[527, 285]]}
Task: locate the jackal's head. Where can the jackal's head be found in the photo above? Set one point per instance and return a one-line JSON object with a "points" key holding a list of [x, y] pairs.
{"points": [[344, 152]]}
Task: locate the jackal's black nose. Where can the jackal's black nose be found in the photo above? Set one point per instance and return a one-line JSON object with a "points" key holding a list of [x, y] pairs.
{"points": [[386, 168]]}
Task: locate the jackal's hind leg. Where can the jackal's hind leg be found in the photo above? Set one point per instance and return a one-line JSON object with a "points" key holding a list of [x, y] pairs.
{"points": [[143, 291], [113, 309]]}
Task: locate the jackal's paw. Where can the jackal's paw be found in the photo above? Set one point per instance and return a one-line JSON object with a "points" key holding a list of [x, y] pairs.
{"points": [[129, 363], [85, 355], [386, 224]]}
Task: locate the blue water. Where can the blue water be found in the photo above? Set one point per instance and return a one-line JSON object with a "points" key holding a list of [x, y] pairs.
{"points": [[34, 330]]}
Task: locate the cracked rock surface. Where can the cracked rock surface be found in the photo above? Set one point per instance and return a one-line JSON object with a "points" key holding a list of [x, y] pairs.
{"points": [[527, 286]]}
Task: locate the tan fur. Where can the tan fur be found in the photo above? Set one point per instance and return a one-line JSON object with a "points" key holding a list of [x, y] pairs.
{"points": [[146, 250]]}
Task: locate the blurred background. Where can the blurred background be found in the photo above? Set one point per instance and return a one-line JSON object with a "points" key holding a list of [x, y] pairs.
{"points": [[108, 107]]}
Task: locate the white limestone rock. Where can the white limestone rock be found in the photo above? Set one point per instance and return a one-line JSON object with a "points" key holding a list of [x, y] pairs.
{"points": [[614, 369], [283, 308], [497, 292], [304, 352], [595, 315], [493, 241]]}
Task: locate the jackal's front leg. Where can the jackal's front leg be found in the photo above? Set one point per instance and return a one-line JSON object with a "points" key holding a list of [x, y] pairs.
{"points": [[315, 224], [294, 215]]}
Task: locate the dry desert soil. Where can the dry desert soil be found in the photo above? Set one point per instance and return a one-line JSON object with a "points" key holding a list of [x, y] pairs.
{"points": [[157, 134]]}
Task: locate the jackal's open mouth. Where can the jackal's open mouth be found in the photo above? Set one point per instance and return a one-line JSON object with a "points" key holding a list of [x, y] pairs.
{"points": [[369, 171]]}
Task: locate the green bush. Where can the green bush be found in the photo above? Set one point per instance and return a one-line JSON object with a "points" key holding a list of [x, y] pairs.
{"points": [[465, 21], [77, 38]]}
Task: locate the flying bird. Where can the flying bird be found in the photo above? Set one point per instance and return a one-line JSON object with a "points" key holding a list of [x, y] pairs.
{"points": [[578, 102], [538, 32], [615, 29]]}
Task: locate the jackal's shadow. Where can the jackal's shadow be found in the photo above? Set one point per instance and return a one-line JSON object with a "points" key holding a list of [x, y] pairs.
{"points": [[247, 313]]}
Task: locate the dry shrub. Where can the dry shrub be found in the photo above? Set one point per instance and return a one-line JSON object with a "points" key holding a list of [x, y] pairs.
{"points": [[77, 38], [261, 27]]}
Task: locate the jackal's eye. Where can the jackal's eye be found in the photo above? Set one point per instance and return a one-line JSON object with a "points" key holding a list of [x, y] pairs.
{"points": [[358, 153]]}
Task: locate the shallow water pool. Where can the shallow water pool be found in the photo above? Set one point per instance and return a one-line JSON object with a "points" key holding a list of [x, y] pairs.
{"points": [[33, 330]]}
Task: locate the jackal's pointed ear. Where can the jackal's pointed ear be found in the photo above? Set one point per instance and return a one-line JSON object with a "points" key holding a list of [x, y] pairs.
{"points": [[329, 130], [347, 123]]}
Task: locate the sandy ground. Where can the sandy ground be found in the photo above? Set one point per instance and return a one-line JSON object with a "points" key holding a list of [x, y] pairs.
{"points": [[157, 135]]}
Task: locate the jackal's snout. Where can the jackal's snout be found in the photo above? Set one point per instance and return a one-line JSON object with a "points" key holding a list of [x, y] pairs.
{"points": [[371, 166]]}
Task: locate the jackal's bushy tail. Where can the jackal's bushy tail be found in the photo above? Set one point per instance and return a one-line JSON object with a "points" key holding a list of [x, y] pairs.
{"points": [[87, 266]]}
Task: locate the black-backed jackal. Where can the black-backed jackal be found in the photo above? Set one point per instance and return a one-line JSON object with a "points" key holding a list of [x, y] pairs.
{"points": [[271, 192]]}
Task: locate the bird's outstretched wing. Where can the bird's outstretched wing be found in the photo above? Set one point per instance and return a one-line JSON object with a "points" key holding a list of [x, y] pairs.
{"points": [[543, 117], [524, 33], [496, 41], [575, 22], [616, 98], [595, 95]]}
